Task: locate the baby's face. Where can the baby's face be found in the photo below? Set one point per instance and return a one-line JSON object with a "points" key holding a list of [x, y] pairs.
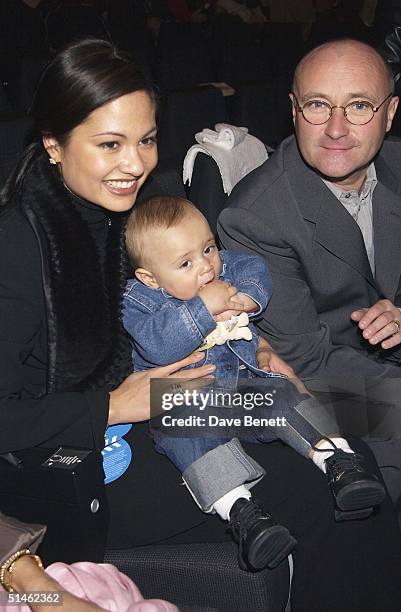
{"points": [[183, 258]]}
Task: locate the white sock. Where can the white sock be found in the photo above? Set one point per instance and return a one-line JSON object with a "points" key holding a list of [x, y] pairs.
{"points": [[319, 457], [223, 505]]}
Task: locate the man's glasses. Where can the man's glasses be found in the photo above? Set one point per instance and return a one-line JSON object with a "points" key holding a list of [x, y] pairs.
{"points": [[318, 112]]}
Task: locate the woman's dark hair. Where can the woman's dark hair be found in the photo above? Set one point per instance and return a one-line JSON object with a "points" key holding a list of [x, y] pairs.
{"points": [[80, 79]]}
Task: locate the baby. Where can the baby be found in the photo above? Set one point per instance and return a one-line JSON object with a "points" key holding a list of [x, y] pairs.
{"points": [[182, 287]]}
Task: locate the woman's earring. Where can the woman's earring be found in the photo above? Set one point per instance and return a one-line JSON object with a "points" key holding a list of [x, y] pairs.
{"points": [[52, 161]]}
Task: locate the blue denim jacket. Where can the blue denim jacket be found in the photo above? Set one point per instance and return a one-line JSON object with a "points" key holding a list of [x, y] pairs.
{"points": [[164, 329]]}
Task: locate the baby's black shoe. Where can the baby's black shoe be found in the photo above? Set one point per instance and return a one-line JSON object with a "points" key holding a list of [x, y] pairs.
{"points": [[262, 542], [355, 490]]}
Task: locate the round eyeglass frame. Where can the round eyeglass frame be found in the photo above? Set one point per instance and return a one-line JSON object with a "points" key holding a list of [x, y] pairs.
{"points": [[300, 109]]}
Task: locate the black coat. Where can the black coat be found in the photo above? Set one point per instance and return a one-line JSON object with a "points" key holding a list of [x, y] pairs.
{"points": [[46, 357], [62, 349]]}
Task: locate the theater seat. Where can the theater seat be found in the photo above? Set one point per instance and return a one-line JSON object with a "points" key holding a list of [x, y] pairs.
{"points": [[13, 135], [203, 577], [206, 190], [183, 114]]}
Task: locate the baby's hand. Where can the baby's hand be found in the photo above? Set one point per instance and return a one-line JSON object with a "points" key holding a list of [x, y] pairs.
{"points": [[219, 296], [248, 305]]}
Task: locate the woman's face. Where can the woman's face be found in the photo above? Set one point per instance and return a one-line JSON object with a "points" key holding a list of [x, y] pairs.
{"points": [[109, 156]]}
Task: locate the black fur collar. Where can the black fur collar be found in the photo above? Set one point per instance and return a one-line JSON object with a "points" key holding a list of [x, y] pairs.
{"points": [[87, 346]]}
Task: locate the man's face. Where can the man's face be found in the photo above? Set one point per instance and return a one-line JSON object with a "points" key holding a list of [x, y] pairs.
{"points": [[337, 149]]}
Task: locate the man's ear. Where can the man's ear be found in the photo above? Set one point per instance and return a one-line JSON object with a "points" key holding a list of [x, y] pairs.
{"points": [[53, 148], [146, 278], [392, 108], [293, 106]]}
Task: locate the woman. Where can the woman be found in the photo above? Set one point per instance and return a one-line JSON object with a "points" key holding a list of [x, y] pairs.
{"points": [[65, 361]]}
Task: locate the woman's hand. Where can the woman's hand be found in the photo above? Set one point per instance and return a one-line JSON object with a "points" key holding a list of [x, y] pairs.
{"points": [[27, 577], [269, 361], [130, 402]]}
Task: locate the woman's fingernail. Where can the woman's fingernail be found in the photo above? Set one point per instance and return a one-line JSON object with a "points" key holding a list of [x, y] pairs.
{"points": [[210, 368]]}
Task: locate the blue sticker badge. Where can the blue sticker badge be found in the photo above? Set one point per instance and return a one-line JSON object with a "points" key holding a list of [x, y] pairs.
{"points": [[117, 453]]}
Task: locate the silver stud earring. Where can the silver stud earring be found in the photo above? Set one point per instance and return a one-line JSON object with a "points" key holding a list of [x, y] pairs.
{"points": [[52, 161]]}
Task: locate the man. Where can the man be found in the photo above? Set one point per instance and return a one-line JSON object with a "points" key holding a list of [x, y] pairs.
{"points": [[326, 214]]}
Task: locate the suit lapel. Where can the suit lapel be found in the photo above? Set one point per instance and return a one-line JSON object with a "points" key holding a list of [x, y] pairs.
{"points": [[387, 239], [335, 229]]}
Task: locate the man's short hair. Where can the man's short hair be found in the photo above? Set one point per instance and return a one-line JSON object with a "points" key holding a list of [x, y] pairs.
{"points": [[159, 212]]}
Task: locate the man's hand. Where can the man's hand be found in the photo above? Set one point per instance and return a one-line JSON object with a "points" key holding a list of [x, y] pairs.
{"points": [[248, 305], [381, 323], [219, 297]]}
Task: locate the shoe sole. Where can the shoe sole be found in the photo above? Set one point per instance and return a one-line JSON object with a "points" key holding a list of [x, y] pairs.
{"points": [[359, 495], [351, 515], [272, 547]]}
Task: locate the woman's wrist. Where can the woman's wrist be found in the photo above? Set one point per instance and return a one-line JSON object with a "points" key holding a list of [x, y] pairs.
{"points": [[264, 349], [113, 408], [264, 346], [110, 420], [29, 577], [21, 572]]}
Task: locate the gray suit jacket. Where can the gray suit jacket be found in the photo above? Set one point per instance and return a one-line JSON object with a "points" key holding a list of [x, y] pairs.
{"points": [[317, 258]]}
